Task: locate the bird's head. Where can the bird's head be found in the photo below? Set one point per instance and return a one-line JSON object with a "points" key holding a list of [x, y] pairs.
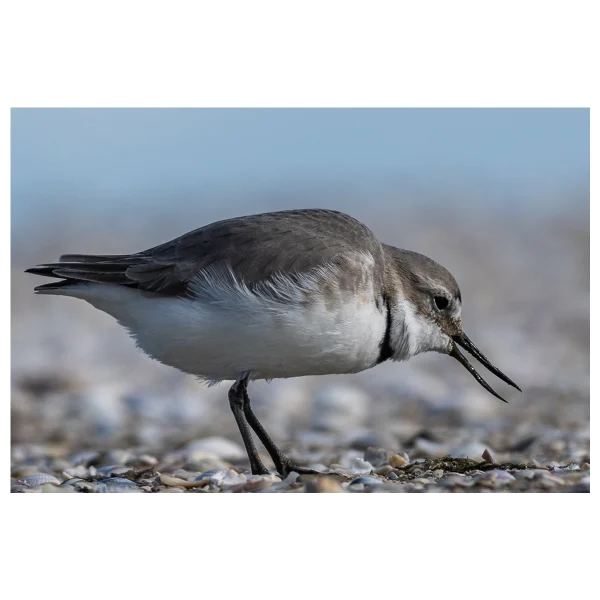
{"points": [[426, 314]]}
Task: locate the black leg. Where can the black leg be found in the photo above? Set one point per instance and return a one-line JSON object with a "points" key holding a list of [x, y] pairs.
{"points": [[237, 399], [283, 464]]}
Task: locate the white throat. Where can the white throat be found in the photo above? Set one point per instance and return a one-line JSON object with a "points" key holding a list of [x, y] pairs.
{"points": [[412, 333]]}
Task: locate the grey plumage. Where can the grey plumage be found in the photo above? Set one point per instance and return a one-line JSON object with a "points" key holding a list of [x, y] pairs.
{"points": [[255, 247]]}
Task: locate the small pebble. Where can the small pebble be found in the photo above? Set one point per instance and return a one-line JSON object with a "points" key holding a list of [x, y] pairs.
{"points": [[145, 460], [176, 481], [37, 479], [322, 485], [117, 489], [359, 465], [384, 470], [495, 478], [488, 457], [362, 483], [119, 481], [377, 456], [454, 479], [214, 476], [398, 461]]}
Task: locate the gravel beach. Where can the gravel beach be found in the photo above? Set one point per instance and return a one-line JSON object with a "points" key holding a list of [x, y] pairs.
{"points": [[92, 414]]}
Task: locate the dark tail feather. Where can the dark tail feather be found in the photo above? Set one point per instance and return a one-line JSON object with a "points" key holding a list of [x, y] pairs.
{"points": [[99, 267], [45, 270], [50, 288], [99, 271], [96, 277], [96, 258]]}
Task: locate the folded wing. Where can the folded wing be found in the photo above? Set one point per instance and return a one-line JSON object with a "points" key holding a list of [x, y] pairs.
{"points": [[255, 247]]}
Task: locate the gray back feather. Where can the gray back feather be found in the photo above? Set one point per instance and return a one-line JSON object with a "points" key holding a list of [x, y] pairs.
{"points": [[255, 247]]}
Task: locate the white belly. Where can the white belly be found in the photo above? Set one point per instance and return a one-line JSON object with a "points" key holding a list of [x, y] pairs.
{"points": [[233, 331]]}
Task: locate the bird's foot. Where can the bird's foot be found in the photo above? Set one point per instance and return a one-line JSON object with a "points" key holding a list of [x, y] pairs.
{"points": [[289, 466]]}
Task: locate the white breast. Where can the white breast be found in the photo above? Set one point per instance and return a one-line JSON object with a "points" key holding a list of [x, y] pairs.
{"points": [[286, 327]]}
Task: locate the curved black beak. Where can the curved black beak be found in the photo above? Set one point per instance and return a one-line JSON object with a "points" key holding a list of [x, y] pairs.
{"points": [[471, 348]]}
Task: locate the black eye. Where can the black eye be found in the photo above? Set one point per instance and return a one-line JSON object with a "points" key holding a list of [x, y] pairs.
{"points": [[441, 302]]}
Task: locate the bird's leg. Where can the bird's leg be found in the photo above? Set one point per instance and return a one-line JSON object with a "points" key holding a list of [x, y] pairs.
{"points": [[237, 399], [283, 464]]}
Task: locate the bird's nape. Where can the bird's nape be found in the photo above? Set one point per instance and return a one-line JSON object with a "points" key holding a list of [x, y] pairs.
{"points": [[463, 340]]}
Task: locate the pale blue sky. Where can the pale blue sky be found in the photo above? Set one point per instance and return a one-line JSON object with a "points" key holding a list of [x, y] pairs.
{"points": [[126, 155]]}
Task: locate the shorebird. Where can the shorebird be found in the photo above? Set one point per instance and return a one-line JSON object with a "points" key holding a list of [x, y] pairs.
{"points": [[280, 294]]}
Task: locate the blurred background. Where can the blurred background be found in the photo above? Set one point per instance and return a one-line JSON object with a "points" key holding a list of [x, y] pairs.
{"points": [[498, 196]]}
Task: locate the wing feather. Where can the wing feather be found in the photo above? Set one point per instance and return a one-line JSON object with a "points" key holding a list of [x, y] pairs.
{"points": [[255, 247]]}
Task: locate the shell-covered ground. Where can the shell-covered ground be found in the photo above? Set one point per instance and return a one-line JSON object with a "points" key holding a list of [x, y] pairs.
{"points": [[200, 466], [91, 413]]}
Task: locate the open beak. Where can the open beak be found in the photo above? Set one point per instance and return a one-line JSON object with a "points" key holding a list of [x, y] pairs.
{"points": [[471, 348]]}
